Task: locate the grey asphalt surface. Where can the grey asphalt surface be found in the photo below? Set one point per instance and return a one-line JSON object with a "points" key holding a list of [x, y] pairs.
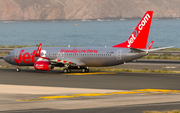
{"points": [[119, 81], [121, 109]]}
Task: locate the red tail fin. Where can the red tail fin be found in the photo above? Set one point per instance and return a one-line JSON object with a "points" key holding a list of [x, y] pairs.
{"points": [[139, 36]]}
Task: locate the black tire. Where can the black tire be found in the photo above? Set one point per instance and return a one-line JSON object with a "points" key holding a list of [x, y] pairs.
{"points": [[69, 70], [83, 70], [18, 69], [87, 70], [65, 70]]}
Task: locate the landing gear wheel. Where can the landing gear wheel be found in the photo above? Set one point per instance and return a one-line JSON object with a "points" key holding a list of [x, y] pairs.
{"points": [[65, 70], [83, 70], [18, 70], [69, 70]]}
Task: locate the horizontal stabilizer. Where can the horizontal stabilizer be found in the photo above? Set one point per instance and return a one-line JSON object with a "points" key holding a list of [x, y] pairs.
{"points": [[160, 48], [134, 50]]}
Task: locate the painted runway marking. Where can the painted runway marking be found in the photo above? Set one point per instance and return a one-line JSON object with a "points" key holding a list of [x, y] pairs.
{"points": [[95, 73], [171, 67], [158, 91], [137, 91], [38, 99]]}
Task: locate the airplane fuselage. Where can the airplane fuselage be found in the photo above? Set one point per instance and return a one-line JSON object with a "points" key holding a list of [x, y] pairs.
{"points": [[83, 56]]}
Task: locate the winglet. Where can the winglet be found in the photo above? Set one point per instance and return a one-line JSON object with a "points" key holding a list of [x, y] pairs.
{"points": [[38, 53], [149, 47]]}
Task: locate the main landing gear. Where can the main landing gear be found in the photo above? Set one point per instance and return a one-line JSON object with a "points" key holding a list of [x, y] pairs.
{"points": [[67, 70], [83, 69]]}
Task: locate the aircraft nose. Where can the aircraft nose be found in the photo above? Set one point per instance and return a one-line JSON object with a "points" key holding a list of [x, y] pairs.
{"points": [[5, 59]]}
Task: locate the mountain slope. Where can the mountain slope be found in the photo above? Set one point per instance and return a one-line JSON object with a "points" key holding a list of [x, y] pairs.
{"points": [[86, 9]]}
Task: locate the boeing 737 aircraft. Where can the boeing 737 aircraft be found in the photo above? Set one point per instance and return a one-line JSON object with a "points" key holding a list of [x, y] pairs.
{"points": [[46, 58]]}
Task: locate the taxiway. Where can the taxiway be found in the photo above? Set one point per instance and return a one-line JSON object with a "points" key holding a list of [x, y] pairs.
{"points": [[37, 91]]}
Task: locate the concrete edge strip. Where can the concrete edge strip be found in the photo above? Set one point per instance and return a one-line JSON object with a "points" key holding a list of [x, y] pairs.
{"points": [[138, 91]]}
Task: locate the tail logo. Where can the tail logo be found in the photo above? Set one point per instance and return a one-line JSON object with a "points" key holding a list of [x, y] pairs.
{"points": [[133, 37], [140, 27], [144, 21]]}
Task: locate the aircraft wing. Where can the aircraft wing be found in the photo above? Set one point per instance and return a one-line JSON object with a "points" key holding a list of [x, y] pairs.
{"points": [[71, 61], [57, 61], [65, 62]]}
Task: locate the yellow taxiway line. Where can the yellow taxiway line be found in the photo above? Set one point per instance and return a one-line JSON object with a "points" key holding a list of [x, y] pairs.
{"points": [[95, 73], [137, 91]]}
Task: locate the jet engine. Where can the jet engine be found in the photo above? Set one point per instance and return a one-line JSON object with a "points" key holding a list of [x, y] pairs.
{"points": [[43, 65]]}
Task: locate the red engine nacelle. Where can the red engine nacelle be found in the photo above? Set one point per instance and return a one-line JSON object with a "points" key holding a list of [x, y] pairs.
{"points": [[43, 65]]}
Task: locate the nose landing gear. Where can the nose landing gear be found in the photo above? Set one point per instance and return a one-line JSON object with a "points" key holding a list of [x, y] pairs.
{"points": [[18, 69], [84, 70]]}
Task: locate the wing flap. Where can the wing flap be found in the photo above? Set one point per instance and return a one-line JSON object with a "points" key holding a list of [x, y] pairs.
{"points": [[73, 62]]}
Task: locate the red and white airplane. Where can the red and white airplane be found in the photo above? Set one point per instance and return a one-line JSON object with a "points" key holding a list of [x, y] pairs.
{"points": [[46, 58]]}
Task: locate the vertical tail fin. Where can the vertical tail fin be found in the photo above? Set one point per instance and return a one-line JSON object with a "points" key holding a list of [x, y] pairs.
{"points": [[139, 36]]}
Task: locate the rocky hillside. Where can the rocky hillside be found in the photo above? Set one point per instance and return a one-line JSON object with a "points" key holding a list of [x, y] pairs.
{"points": [[86, 9]]}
